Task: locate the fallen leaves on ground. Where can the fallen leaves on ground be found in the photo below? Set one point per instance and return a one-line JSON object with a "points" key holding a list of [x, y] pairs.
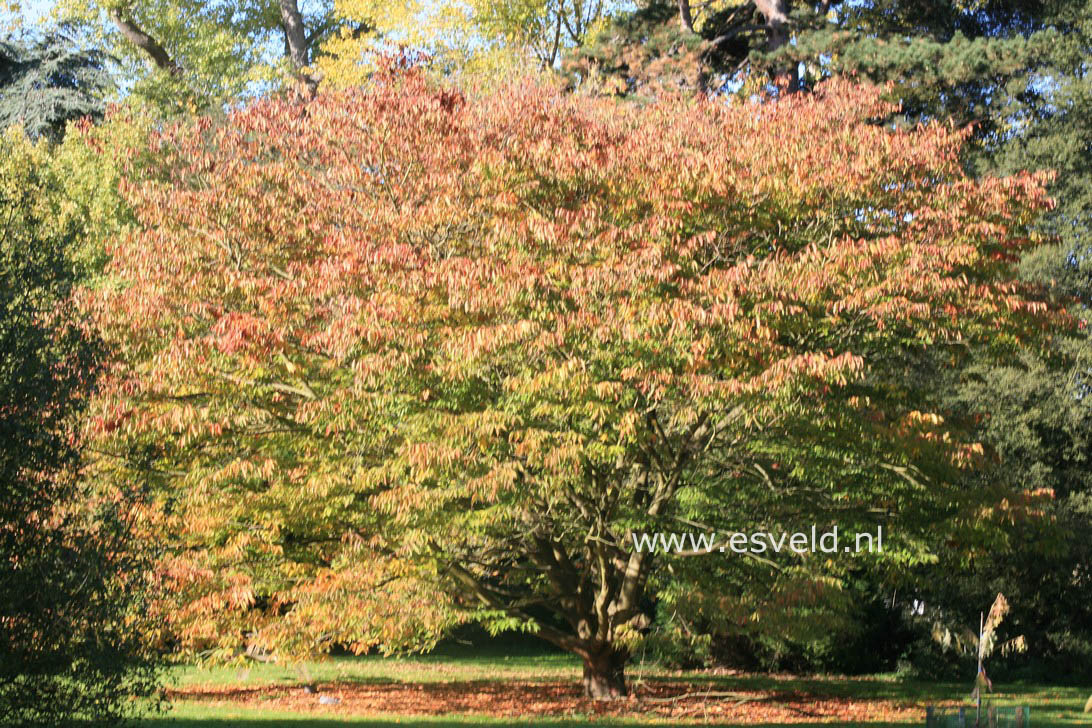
{"points": [[518, 698]]}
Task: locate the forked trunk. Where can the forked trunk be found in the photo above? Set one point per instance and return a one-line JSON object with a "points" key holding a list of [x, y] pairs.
{"points": [[605, 675]]}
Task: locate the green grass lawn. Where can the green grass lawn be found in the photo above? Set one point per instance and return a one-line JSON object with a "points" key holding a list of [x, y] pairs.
{"points": [[463, 668]]}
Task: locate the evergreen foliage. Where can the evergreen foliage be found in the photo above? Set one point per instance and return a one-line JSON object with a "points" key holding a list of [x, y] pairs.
{"points": [[47, 83]]}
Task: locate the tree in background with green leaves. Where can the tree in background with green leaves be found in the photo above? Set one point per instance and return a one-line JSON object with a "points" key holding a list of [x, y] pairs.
{"points": [[1018, 73], [71, 641], [184, 56], [46, 83]]}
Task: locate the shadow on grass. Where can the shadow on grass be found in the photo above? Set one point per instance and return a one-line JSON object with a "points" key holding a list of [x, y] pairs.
{"points": [[468, 721], [459, 721]]}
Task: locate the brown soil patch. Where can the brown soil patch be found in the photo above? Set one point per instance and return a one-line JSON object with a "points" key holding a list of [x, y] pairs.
{"points": [[558, 699]]}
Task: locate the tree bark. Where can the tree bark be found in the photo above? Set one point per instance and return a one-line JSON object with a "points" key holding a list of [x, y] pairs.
{"points": [[136, 35], [776, 13], [295, 42], [605, 674], [295, 35], [686, 18]]}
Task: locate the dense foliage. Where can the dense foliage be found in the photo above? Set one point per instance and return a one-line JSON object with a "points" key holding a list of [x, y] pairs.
{"points": [[400, 347], [1013, 74], [70, 648]]}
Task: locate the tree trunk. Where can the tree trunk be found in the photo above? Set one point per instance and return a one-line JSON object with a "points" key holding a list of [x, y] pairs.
{"points": [[776, 13], [605, 674], [296, 44], [686, 18]]}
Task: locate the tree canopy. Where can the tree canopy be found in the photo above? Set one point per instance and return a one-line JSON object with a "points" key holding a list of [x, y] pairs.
{"points": [[402, 346]]}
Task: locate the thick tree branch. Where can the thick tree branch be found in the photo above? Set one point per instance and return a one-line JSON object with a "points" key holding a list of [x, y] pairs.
{"points": [[136, 35], [728, 35], [636, 571], [776, 13], [686, 17], [550, 558], [296, 44], [320, 30], [295, 35], [556, 43], [475, 588]]}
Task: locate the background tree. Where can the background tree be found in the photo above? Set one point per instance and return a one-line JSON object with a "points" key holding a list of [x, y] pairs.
{"points": [[1039, 425], [184, 55], [187, 56], [70, 639], [985, 62], [398, 346], [50, 82], [483, 41], [544, 28], [1018, 74], [684, 46], [192, 56]]}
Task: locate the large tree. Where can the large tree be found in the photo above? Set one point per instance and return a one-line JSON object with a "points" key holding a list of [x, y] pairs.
{"points": [[990, 62], [397, 358]]}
